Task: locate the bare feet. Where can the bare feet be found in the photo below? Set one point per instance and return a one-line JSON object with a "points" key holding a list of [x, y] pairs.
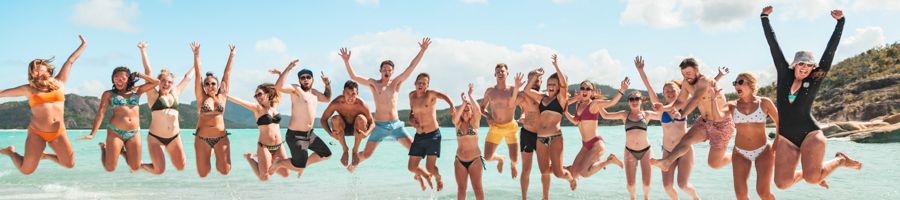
{"points": [[248, 156], [573, 184], [8, 150], [440, 183], [499, 164], [661, 164], [848, 162], [276, 164], [824, 184], [615, 160], [344, 158], [514, 170], [421, 182], [354, 162]]}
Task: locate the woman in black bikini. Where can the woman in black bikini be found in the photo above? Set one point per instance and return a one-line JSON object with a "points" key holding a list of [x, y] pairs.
{"points": [[267, 119], [549, 135], [164, 126], [211, 98], [469, 163], [798, 133]]}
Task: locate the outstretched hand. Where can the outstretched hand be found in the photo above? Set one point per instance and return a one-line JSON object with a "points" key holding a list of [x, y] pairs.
{"points": [[275, 71], [231, 47], [345, 54], [723, 70], [86, 137], [325, 78], [83, 42], [142, 45], [639, 63], [424, 43], [837, 14], [519, 80], [767, 10], [293, 63], [554, 60], [625, 83], [471, 88], [195, 47]]}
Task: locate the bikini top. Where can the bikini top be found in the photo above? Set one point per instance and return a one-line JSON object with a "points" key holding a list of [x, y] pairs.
{"points": [[666, 118], [160, 104], [586, 115], [640, 124], [218, 108], [268, 119], [553, 106], [46, 97], [468, 131], [756, 117], [118, 100]]}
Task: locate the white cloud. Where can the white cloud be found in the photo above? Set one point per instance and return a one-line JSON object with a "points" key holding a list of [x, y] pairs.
{"points": [[863, 39], [658, 14], [475, 1], [106, 14], [713, 15], [458, 62], [271, 45], [805, 9], [90, 88], [367, 2], [887, 5]]}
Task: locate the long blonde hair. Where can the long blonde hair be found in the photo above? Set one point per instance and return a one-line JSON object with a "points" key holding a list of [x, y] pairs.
{"points": [[43, 83], [750, 78]]}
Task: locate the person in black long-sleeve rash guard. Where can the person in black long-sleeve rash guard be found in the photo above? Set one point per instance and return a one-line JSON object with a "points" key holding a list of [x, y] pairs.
{"points": [[798, 132]]}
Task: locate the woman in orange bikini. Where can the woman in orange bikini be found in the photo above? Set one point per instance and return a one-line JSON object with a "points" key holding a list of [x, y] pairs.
{"points": [[46, 99]]}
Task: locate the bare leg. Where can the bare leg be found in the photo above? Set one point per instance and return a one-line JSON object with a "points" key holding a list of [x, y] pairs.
{"points": [[176, 152], [361, 125], [631, 164], [418, 171], [222, 151], [203, 152], [693, 136], [430, 164], [786, 158], [765, 164], [526, 173], [740, 168], [812, 153], [157, 163], [668, 178], [684, 165], [282, 154], [368, 151], [462, 179], [110, 151], [543, 160], [556, 151], [337, 132], [34, 148], [64, 156], [133, 152], [646, 173], [490, 155], [475, 172]]}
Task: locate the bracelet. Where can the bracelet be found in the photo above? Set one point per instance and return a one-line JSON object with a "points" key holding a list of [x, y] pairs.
{"points": [[620, 92]]}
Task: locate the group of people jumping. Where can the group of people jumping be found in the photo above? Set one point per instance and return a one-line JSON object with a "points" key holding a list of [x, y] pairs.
{"points": [[535, 131]]}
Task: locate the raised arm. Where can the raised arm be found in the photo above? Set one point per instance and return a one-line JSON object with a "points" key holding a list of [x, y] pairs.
{"points": [[326, 95], [442, 96], [149, 83], [345, 55], [563, 83], [639, 64], [828, 55], [144, 60], [597, 106], [722, 72], [223, 89], [515, 91], [248, 105], [529, 92], [98, 118], [476, 112], [22, 90], [279, 84], [613, 115], [184, 81], [458, 113], [774, 48], [63, 74], [198, 85], [423, 45]]}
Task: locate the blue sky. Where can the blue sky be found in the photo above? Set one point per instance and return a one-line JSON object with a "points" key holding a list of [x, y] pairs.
{"points": [[596, 40]]}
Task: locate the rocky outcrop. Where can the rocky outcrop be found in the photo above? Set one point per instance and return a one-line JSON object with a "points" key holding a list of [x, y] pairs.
{"points": [[884, 130]]}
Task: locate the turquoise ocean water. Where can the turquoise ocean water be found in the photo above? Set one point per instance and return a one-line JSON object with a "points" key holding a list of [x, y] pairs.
{"points": [[384, 176]]}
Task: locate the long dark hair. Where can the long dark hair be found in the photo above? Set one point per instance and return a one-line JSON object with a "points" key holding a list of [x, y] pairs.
{"points": [[132, 78]]}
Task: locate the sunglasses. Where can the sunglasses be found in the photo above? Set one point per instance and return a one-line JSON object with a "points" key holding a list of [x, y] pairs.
{"points": [[806, 65], [634, 99], [257, 95], [738, 82], [305, 77], [210, 84], [587, 88]]}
